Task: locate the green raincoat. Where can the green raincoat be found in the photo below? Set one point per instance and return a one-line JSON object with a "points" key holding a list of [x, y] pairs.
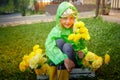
{"points": [[52, 51]]}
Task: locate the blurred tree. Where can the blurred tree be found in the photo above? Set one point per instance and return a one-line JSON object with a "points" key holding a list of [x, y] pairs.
{"points": [[16, 4], [103, 6], [106, 6], [97, 7], [7, 6], [24, 6], [3, 2]]}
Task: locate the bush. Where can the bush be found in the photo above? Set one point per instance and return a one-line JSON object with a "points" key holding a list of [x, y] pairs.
{"points": [[9, 8]]}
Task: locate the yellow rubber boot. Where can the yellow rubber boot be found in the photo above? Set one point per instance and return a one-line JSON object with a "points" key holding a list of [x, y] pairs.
{"points": [[62, 75], [52, 73]]}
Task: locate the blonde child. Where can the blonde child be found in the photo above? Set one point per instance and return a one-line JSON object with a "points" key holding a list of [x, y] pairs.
{"points": [[62, 52]]}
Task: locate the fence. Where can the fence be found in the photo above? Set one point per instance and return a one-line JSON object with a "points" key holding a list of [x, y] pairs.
{"points": [[41, 5], [115, 4]]}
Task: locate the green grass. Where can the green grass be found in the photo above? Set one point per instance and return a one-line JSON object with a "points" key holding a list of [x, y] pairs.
{"points": [[19, 40]]}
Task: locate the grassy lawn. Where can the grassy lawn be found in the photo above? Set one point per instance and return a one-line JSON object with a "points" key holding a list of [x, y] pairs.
{"points": [[19, 40]]}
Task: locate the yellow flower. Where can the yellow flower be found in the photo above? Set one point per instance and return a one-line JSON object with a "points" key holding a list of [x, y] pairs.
{"points": [[36, 47], [38, 51], [34, 61], [32, 54], [77, 31], [42, 60], [83, 30], [71, 36], [107, 58], [45, 68], [26, 58], [79, 24], [85, 36], [82, 24], [90, 56], [22, 66], [77, 37], [86, 63], [38, 71], [97, 63]]}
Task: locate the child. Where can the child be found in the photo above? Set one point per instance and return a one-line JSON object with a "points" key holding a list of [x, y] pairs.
{"points": [[62, 52]]}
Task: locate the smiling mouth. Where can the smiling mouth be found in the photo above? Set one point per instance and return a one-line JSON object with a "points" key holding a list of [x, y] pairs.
{"points": [[67, 24]]}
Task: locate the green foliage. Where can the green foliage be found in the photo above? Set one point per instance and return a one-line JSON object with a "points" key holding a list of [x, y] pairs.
{"points": [[3, 2], [24, 6], [9, 8], [27, 7], [19, 40]]}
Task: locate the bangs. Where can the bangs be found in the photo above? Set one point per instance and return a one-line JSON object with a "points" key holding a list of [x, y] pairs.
{"points": [[68, 12]]}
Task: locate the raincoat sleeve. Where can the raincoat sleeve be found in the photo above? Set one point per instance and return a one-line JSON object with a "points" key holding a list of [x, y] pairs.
{"points": [[52, 51]]}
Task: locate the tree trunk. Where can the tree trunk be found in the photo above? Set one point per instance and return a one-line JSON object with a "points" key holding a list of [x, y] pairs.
{"points": [[97, 7], [103, 7]]}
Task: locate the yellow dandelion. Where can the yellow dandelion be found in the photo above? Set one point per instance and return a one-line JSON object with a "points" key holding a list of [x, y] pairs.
{"points": [[71, 36], [32, 54], [90, 56], [97, 63], [77, 24], [38, 71], [83, 30], [45, 68], [36, 47], [33, 63], [86, 63], [76, 38], [42, 60], [39, 51], [82, 24], [96, 57], [22, 66], [85, 36], [26, 58], [107, 58], [77, 30]]}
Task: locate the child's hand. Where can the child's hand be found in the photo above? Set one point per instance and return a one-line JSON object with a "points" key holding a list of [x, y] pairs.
{"points": [[69, 64], [80, 54]]}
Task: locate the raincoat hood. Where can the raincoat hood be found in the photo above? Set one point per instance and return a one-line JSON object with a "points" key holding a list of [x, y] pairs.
{"points": [[62, 8]]}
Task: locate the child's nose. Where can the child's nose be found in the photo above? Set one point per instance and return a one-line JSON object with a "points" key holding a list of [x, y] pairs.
{"points": [[68, 21]]}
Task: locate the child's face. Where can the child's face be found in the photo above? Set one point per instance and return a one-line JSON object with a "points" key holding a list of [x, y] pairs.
{"points": [[67, 22]]}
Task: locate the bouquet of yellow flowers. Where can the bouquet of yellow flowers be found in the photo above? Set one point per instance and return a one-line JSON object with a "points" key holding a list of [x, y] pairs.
{"points": [[94, 61], [36, 60], [79, 32], [90, 60]]}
